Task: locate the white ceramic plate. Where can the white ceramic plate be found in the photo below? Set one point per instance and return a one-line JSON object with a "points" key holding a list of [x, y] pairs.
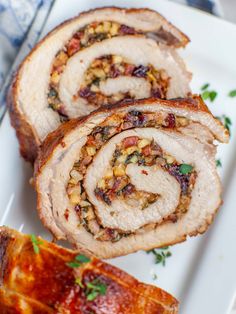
{"points": [[202, 271]]}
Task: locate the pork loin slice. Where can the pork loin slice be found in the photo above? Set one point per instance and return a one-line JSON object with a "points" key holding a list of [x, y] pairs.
{"points": [[44, 281], [41, 97], [133, 176]]}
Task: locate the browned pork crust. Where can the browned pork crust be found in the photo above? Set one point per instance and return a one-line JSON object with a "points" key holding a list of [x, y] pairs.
{"points": [[28, 140], [43, 283]]}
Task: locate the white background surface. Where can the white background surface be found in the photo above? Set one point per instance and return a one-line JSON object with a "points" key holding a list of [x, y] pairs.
{"points": [[201, 272]]}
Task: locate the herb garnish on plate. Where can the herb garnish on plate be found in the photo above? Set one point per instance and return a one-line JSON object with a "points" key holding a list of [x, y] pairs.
{"points": [[160, 255], [232, 93], [208, 94], [218, 163]]}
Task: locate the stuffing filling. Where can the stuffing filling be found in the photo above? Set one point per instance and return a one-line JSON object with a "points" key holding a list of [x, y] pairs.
{"points": [[87, 36], [113, 66], [115, 184]]}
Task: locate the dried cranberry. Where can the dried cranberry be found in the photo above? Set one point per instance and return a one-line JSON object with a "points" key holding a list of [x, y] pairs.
{"points": [[78, 35], [184, 184], [73, 46], [140, 71], [128, 189], [170, 120], [61, 110], [102, 195], [110, 232], [78, 210], [136, 117], [129, 68], [86, 92], [124, 29], [63, 115], [114, 71], [116, 184], [183, 179], [66, 214], [156, 93]]}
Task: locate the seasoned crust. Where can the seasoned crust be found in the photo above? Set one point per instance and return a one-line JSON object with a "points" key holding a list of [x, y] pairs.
{"points": [[50, 263], [5, 242], [28, 138]]}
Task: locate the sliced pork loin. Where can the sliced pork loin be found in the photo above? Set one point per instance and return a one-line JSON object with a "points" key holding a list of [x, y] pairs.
{"points": [[97, 58], [41, 277], [132, 176]]}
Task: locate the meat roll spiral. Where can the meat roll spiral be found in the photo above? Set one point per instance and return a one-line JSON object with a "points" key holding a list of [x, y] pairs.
{"points": [[100, 57], [136, 175]]}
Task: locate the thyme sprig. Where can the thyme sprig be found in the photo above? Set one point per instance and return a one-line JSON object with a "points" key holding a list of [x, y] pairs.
{"points": [[218, 163], [36, 243], [232, 93], [78, 261], [160, 255], [93, 288], [208, 94]]}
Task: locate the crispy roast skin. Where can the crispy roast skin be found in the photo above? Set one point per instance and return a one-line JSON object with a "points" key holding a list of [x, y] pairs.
{"points": [[43, 283], [59, 152], [32, 124]]}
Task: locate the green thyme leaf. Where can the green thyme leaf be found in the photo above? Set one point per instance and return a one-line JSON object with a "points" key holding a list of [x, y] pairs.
{"points": [[232, 93], [73, 264], [205, 86], [208, 94], [205, 95], [218, 163], [92, 289], [78, 261], [160, 255], [92, 295], [228, 121], [82, 258], [78, 281], [95, 288], [212, 95], [185, 168], [35, 242]]}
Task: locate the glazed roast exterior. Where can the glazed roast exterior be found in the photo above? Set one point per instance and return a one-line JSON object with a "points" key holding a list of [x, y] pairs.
{"points": [[97, 58], [132, 176], [41, 277]]}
